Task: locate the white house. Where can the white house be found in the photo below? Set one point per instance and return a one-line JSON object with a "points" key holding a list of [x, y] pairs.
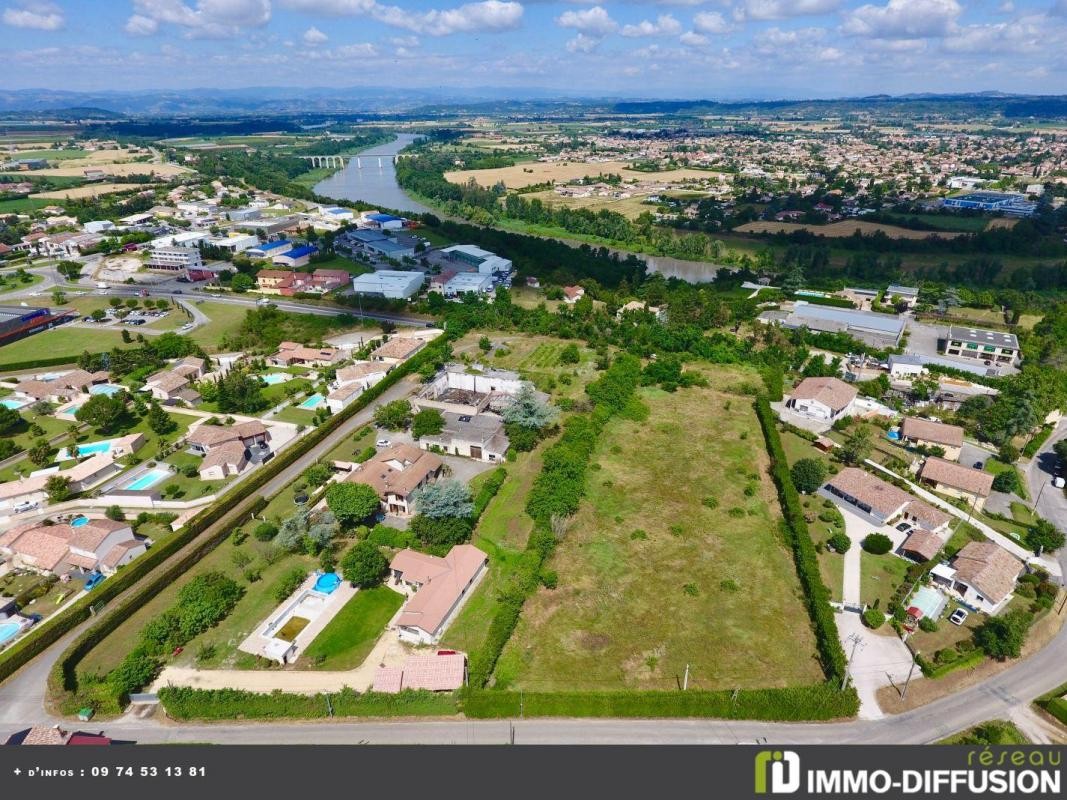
{"points": [[982, 575], [905, 366], [822, 398]]}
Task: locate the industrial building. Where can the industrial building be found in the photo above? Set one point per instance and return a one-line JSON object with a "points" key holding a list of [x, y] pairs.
{"points": [[484, 261], [877, 330], [391, 284], [989, 347], [1001, 202], [18, 322], [270, 249], [468, 283]]}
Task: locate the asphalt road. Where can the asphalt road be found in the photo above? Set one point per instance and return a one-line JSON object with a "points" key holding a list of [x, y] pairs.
{"points": [[1051, 502]]}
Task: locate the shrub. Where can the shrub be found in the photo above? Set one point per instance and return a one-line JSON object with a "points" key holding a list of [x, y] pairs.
{"points": [[840, 542], [877, 544], [549, 578], [289, 583], [873, 618], [364, 565], [928, 625], [1007, 481], [384, 536], [265, 531]]}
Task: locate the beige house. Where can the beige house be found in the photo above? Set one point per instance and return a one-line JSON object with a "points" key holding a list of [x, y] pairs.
{"points": [[397, 350], [204, 438], [825, 399], [956, 480], [227, 459], [395, 474], [294, 354], [882, 502], [441, 587], [62, 548], [918, 432], [982, 575]]}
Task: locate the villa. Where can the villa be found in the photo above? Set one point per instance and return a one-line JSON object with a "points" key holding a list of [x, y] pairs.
{"points": [[982, 575], [919, 432], [441, 586], [60, 389], [222, 461], [395, 474], [822, 398], [353, 381], [293, 353], [205, 438], [82, 546], [398, 350], [882, 502], [956, 480], [31, 489], [176, 383], [480, 437]]}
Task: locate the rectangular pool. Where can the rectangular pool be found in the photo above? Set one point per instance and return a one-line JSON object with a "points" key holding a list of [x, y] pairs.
{"points": [[14, 405], [312, 402], [105, 388], [150, 478], [94, 448]]}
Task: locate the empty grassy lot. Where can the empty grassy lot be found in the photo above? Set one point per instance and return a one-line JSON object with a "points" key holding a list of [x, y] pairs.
{"points": [[674, 558], [64, 341], [532, 172], [836, 230], [537, 358]]}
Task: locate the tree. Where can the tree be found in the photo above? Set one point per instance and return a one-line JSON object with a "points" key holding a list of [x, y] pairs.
{"points": [[41, 453], [364, 565], [840, 542], [427, 422], [484, 344], [394, 416], [241, 283], [58, 489], [877, 544], [317, 474], [97, 314], [1002, 636], [1045, 537], [115, 513], [856, 447], [443, 499], [265, 531], [808, 474], [71, 270], [9, 419], [440, 533], [352, 503], [159, 420], [1007, 481], [102, 411], [1060, 449], [569, 354], [529, 410]]}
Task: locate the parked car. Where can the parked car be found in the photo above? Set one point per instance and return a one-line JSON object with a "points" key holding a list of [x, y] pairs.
{"points": [[382, 443], [25, 505], [904, 527], [979, 465], [1059, 482], [93, 581], [959, 616]]}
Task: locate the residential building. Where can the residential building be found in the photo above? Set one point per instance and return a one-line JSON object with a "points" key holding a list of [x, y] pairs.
{"points": [[175, 383], [61, 388], [877, 330], [905, 366], [62, 548], [982, 576], [989, 347], [223, 460], [956, 480], [469, 389], [295, 354], [882, 502], [204, 439], [398, 349], [441, 586], [907, 294], [391, 284], [918, 432], [174, 259], [352, 381], [395, 473], [478, 436], [637, 307], [289, 283], [825, 399], [483, 261], [921, 546], [572, 294]]}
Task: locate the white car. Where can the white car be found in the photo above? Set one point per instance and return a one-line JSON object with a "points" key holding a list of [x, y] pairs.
{"points": [[382, 443], [26, 505], [959, 616], [1059, 483]]}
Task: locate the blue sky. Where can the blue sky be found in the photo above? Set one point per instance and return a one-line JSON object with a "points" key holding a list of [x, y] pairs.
{"points": [[641, 48]]}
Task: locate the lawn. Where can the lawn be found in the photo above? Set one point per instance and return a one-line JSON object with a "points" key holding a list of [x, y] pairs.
{"points": [[225, 319], [9, 283], [995, 466], [674, 559], [349, 448], [349, 637], [340, 262], [61, 342], [880, 576], [295, 414]]}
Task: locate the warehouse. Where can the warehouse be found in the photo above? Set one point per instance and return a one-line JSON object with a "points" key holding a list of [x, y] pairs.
{"points": [[18, 322], [391, 284], [877, 330]]}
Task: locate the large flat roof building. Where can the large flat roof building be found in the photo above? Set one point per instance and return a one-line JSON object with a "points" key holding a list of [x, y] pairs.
{"points": [[392, 284], [877, 330], [979, 344]]}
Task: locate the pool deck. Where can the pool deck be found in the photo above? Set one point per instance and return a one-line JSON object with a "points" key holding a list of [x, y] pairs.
{"points": [[256, 642]]}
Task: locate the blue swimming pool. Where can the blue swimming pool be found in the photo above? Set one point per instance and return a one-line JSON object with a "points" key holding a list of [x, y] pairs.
{"points": [[312, 402], [14, 405], [77, 522], [105, 388], [94, 448], [150, 478], [273, 378], [327, 583], [8, 630], [72, 410], [894, 435]]}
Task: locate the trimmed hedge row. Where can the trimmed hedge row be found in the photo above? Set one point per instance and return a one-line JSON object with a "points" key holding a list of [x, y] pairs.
{"points": [[816, 595], [1031, 447], [62, 677], [931, 670], [488, 491], [54, 361], [183, 703], [819, 702]]}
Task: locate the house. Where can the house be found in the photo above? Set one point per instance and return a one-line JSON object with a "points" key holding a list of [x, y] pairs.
{"points": [[480, 437], [469, 389], [61, 389], [982, 575], [441, 586], [909, 295], [882, 502], [956, 480], [637, 307], [204, 438], [293, 353], [439, 672], [988, 347], [905, 366], [572, 294], [43, 735], [918, 432], [822, 398], [921, 546], [223, 460], [397, 350], [388, 283], [395, 473], [170, 386], [64, 548], [351, 382], [289, 283]]}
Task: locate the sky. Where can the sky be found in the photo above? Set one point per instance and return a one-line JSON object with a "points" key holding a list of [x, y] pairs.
{"points": [[717, 49]]}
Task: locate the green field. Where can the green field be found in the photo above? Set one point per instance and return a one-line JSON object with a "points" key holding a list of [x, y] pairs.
{"points": [[946, 222], [65, 341], [350, 636], [20, 205], [880, 576], [51, 155], [674, 559], [225, 318]]}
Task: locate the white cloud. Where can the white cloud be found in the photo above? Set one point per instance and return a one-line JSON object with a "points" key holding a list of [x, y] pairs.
{"points": [[593, 22], [1024, 35], [37, 14], [783, 9], [665, 25], [904, 19], [582, 44], [314, 36], [711, 22], [487, 15], [209, 19], [335, 8], [140, 25], [404, 41], [692, 39]]}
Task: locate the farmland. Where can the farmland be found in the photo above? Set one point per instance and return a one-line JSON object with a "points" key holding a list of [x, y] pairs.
{"points": [[703, 580], [838, 230], [534, 172]]}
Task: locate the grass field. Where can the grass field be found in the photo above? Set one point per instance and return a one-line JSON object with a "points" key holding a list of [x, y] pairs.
{"points": [[350, 636], [994, 317], [652, 578], [64, 341], [533, 172], [630, 207], [950, 222], [92, 190], [836, 230], [21, 205], [880, 576], [225, 319]]}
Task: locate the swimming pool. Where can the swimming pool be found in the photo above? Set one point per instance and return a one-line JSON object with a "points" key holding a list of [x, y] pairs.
{"points": [[72, 410], [105, 388], [77, 522], [8, 630], [94, 448], [327, 583], [150, 478], [894, 434], [312, 402], [274, 378], [14, 405]]}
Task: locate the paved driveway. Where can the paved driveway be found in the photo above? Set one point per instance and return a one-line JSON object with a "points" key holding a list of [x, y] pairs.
{"points": [[880, 658]]}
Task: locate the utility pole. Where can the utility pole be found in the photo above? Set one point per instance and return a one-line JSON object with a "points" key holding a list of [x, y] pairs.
{"points": [[914, 659], [857, 640], [685, 680]]}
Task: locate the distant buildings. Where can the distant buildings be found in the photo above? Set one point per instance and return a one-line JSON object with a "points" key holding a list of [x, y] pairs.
{"points": [[989, 347], [483, 261], [877, 330], [1001, 202], [288, 283], [391, 284], [572, 294]]}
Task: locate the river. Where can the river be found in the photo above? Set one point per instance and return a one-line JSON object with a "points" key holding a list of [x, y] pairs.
{"points": [[373, 181]]}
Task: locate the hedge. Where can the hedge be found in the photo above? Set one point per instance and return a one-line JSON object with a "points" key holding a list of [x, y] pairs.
{"points": [[818, 702], [816, 595], [63, 677], [183, 703], [1031, 447], [966, 661], [488, 491], [54, 361]]}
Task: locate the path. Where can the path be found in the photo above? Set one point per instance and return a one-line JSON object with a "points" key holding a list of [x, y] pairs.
{"points": [[856, 529]]}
